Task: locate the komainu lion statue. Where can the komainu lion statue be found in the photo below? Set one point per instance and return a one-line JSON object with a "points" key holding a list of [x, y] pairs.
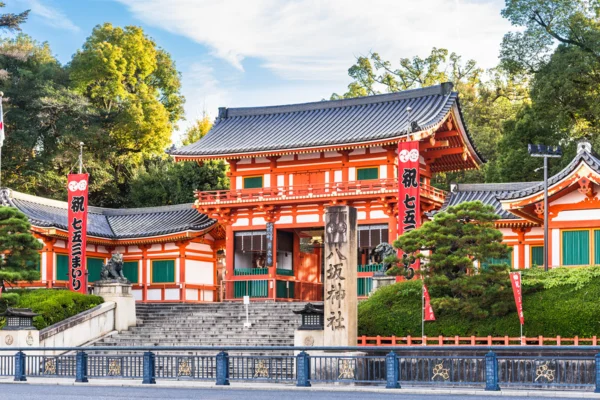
{"points": [[113, 269], [381, 252]]}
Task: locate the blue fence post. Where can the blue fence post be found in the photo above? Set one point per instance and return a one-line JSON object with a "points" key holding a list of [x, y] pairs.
{"points": [[149, 368], [20, 367], [222, 369], [392, 368], [81, 367], [597, 359], [303, 369], [491, 372]]}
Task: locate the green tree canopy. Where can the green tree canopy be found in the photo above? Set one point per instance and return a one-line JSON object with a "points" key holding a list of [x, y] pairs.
{"points": [[18, 247], [198, 130], [11, 21], [454, 239], [134, 83]]}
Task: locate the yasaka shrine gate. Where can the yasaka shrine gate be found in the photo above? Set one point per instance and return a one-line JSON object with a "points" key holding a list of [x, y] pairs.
{"points": [[264, 237]]}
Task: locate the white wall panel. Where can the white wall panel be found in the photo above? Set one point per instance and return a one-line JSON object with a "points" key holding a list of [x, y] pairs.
{"points": [[555, 240], [154, 294], [172, 294], [307, 218], [199, 272]]}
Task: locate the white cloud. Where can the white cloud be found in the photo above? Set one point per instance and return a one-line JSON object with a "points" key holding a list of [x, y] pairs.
{"points": [[51, 16], [318, 40]]}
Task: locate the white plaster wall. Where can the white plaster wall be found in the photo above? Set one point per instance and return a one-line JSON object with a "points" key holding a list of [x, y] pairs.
{"points": [[191, 294], [120, 249], [60, 243], [337, 176], [172, 294], [81, 328], [199, 272], [361, 215], [171, 246], [291, 179], [378, 214], [134, 249], [308, 156], [137, 294], [578, 215], [43, 266], [377, 150], [199, 246], [239, 182], [242, 222], [287, 157], [286, 219], [154, 294], [177, 270], [506, 232], [267, 180], [527, 256], [331, 154], [258, 221], [307, 218], [516, 257], [207, 295], [280, 180], [102, 249], [351, 174], [156, 247], [569, 198], [383, 172], [90, 247], [536, 231], [358, 152], [555, 238]]}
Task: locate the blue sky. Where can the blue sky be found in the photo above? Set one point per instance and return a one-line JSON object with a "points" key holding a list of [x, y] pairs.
{"points": [[239, 53]]}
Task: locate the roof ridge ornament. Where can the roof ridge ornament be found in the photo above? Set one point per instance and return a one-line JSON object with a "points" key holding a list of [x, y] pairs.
{"points": [[584, 146]]}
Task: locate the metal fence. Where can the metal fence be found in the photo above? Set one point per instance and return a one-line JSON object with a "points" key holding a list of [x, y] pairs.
{"points": [[515, 367]]}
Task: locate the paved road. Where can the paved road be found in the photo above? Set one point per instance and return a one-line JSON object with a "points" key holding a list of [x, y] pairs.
{"points": [[55, 392]]}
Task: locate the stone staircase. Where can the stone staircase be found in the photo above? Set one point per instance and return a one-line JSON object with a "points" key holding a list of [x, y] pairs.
{"points": [[214, 324]]}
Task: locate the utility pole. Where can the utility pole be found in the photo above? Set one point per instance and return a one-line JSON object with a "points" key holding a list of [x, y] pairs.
{"points": [[540, 150]]}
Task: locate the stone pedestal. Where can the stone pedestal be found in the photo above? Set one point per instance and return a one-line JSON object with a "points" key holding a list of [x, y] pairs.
{"points": [[381, 281], [19, 338], [341, 302], [120, 293]]}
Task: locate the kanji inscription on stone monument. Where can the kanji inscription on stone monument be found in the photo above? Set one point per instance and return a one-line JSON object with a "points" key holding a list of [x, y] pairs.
{"points": [[340, 276]]}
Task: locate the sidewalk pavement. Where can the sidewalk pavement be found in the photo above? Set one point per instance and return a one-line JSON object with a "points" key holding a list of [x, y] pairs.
{"points": [[188, 384]]}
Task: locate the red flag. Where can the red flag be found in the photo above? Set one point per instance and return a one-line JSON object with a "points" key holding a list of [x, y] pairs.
{"points": [[515, 280], [77, 220], [409, 204], [428, 310]]}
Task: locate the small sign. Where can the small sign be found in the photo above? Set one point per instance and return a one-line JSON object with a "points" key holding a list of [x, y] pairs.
{"points": [[246, 299]]}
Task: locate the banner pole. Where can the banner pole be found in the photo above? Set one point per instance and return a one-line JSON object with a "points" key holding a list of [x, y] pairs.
{"points": [[423, 313], [80, 157]]}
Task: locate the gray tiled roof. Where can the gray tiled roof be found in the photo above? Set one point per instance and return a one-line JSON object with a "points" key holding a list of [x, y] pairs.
{"points": [[487, 193], [493, 193], [110, 223], [324, 123], [583, 155]]}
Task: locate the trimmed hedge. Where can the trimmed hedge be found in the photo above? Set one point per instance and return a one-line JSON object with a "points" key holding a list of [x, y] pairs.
{"points": [[561, 302], [53, 305]]}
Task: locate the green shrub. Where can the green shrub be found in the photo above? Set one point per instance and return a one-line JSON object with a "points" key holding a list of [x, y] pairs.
{"points": [[53, 305], [561, 302]]}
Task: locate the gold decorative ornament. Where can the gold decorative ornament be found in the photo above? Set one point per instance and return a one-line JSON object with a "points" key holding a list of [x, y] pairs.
{"points": [[261, 370], [114, 368], [50, 366], [185, 368], [346, 370], [309, 341], [544, 371], [9, 340], [440, 371]]}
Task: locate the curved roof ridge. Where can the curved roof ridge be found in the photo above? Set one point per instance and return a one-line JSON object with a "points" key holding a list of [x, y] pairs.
{"points": [[441, 89]]}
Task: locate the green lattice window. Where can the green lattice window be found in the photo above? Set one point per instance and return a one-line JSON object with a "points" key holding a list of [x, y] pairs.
{"points": [[364, 174], [364, 286], [537, 255], [94, 266], [596, 247], [498, 261], [163, 271], [285, 290], [253, 182], [576, 247], [250, 288], [131, 271], [62, 267]]}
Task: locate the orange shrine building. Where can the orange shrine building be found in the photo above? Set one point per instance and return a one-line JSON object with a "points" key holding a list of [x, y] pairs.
{"points": [[263, 237]]}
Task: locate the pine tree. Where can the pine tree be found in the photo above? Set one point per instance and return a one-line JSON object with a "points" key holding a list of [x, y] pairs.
{"points": [[18, 247]]}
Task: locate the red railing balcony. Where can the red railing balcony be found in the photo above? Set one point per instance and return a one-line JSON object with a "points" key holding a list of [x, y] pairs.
{"points": [[311, 191]]}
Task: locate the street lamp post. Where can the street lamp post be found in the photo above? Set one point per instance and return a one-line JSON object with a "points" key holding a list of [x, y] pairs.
{"points": [[541, 150]]}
